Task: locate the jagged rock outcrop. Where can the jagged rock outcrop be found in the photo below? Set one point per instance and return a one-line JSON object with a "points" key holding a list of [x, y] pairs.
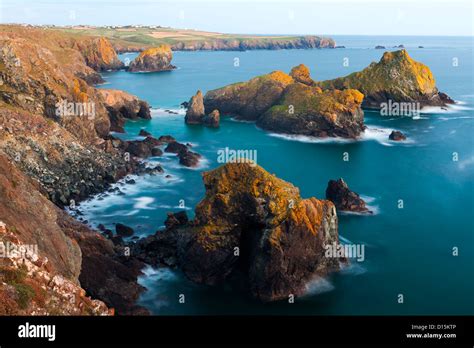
{"points": [[291, 104], [301, 74], [121, 106], [212, 119], [195, 109], [253, 224], [397, 136], [306, 110], [343, 198], [52, 123], [98, 53], [248, 100], [395, 77], [153, 59]]}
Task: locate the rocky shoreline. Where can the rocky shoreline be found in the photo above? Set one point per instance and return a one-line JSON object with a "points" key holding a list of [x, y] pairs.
{"points": [[56, 150]]}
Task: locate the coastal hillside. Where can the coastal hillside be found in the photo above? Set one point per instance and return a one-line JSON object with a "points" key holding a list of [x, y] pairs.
{"points": [[134, 38], [55, 149]]}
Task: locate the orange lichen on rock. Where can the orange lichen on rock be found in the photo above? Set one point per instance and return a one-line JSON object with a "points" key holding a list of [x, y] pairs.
{"points": [[396, 77], [301, 74], [252, 220]]}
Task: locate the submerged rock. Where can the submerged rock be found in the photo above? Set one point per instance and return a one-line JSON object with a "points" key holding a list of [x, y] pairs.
{"points": [[397, 136], [396, 77], [153, 59], [195, 112], [253, 224], [343, 198]]}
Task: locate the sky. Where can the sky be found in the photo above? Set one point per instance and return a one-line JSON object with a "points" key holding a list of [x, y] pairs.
{"points": [[336, 17]]}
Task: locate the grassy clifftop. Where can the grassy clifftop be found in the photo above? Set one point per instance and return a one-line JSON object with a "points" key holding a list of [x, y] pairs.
{"points": [[130, 38]]}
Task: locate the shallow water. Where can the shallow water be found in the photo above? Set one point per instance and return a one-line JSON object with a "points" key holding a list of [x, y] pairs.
{"points": [[407, 251]]}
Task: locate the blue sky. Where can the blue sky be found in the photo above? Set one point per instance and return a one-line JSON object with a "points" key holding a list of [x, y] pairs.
{"points": [[336, 17]]}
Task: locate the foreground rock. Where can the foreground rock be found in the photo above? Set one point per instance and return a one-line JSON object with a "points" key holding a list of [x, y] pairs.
{"points": [[195, 111], [153, 59], [396, 77], [344, 199], [397, 136], [69, 256], [256, 226], [121, 106]]}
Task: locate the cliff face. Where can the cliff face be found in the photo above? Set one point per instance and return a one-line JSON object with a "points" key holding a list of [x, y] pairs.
{"points": [[233, 44], [54, 129], [291, 104], [53, 124], [28, 285], [99, 54], [253, 224], [153, 59], [395, 77], [68, 256], [47, 280]]}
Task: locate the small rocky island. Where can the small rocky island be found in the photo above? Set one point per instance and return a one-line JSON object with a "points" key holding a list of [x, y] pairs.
{"points": [[291, 104], [344, 199], [196, 114], [396, 77], [152, 60], [252, 224], [296, 104]]}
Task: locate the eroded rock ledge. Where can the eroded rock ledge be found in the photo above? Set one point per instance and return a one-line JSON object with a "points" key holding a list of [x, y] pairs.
{"points": [[250, 225]]}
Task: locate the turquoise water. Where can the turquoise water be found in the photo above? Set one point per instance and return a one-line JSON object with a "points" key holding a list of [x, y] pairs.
{"points": [[407, 251]]}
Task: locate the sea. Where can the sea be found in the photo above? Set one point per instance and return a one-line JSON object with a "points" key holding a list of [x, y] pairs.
{"points": [[419, 242]]}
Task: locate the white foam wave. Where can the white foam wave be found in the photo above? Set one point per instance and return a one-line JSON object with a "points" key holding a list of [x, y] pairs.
{"points": [[371, 133], [317, 286], [450, 109], [143, 203], [466, 163], [353, 268]]}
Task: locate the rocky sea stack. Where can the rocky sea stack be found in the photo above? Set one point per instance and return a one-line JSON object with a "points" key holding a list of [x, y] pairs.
{"points": [[254, 226], [153, 59], [291, 104], [396, 77], [344, 199]]}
